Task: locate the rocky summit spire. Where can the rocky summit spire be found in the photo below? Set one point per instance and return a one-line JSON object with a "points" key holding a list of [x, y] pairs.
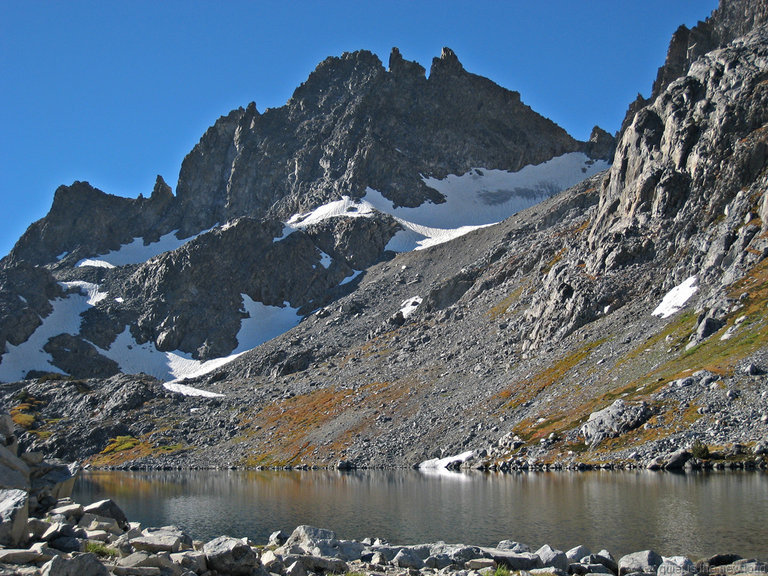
{"points": [[447, 65], [399, 66]]}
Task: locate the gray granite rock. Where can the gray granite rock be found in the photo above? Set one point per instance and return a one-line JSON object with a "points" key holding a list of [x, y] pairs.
{"points": [[230, 556], [14, 512], [646, 561], [82, 565], [551, 558], [408, 558]]}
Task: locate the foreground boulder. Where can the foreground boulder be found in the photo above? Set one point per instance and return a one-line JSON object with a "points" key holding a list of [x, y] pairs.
{"points": [[646, 562], [231, 556], [552, 558], [83, 565], [108, 509], [14, 513]]}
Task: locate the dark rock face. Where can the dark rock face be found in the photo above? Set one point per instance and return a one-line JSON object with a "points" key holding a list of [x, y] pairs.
{"points": [[354, 125], [86, 221], [79, 358], [189, 298], [25, 295]]}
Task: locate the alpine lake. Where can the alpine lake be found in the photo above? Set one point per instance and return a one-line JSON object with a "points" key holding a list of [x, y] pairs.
{"points": [[694, 514]]}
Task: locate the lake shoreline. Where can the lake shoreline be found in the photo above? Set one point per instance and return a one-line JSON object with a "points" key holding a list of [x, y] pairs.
{"points": [[98, 540]]}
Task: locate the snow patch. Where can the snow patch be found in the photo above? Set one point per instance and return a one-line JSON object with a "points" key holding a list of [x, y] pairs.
{"points": [[137, 252], [63, 319], [675, 299], [325, 260], [264, 323], [62, 256], [478, 198], [91, 291], [347, 206], [185, 390], [135, 358], [94, 263], [481, 197], [409, 306], [442, 463], [416, 237], [349, 279]]}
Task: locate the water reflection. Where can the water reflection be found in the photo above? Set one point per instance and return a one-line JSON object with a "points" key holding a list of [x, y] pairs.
{"points": [[696, 514]]}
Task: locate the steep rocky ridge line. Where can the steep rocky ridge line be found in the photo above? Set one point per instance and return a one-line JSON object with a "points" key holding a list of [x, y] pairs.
{"points": [[732, 18], [350, 126]]}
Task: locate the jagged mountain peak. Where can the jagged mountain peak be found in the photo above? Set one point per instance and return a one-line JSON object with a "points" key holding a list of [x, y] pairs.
{"points": [[400, 67], [446, 65], [354, 125]]}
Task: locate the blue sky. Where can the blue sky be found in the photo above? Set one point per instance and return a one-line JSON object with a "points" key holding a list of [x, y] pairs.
{"points": [[116, 92]]}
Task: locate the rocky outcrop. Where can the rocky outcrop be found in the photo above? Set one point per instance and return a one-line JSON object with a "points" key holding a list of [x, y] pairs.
{"points": [[732, 19], [680, 199], [191, 299], [25, 297], [84, 221], [614, 420]]}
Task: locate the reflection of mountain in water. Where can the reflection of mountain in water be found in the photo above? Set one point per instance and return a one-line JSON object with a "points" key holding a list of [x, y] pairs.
{"points": [[613, 511]]}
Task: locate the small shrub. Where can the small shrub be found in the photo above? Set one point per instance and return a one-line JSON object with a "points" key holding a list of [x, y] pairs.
{"points": [[120, 443], [100, 549], [22, 419], [501, 571], [700, 450]]}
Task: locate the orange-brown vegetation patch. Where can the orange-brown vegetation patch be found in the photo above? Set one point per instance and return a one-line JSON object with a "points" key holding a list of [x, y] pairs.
{"points": [[285, 432]]}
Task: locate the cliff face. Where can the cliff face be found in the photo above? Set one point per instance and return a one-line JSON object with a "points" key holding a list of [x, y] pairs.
{"points": [[354, 125], [732, 19], [684, 194]]}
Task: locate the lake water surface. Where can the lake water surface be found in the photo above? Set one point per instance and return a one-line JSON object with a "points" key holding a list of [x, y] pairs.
{"points": [[691, 514]]}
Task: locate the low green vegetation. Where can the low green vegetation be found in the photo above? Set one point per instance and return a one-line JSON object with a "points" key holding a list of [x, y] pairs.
{"points": [[700, 450], [120, 444], [100, 549]]}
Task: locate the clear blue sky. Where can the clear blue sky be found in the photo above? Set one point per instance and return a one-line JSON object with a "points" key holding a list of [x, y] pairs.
{"points": [[116, 92]]}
